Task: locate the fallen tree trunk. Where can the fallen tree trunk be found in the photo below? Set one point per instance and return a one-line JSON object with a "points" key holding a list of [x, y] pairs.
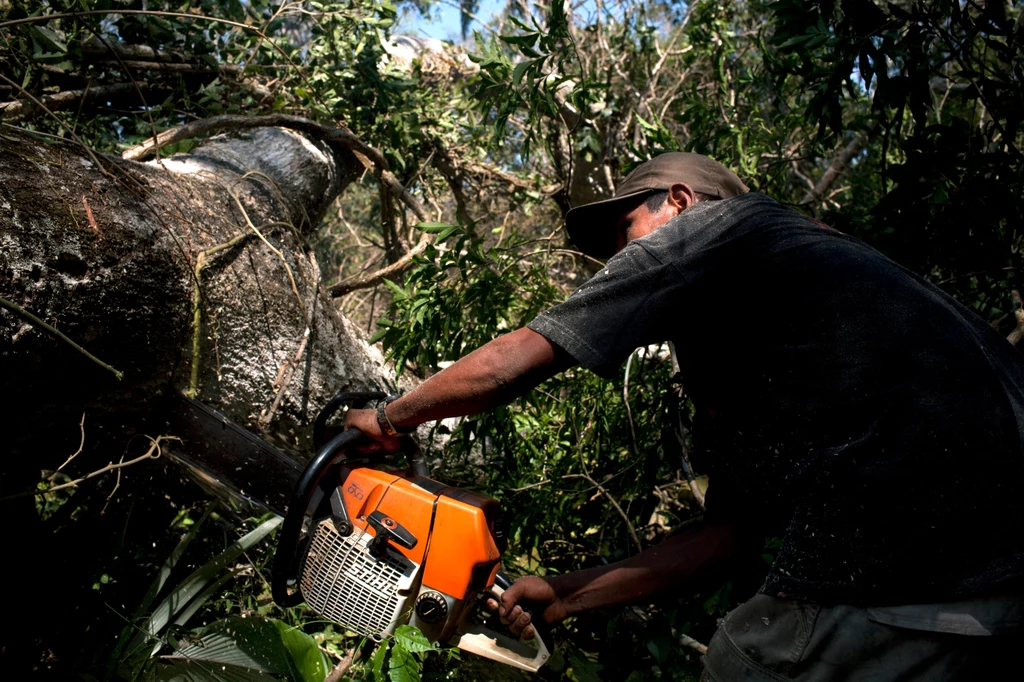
{"points": [[191, 273]]}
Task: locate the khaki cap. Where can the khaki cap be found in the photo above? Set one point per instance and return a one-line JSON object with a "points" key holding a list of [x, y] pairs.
{"points": [[592, 226]]}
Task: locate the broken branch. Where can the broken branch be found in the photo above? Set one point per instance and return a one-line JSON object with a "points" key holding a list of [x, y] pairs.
{"points": [[366, 281], [24, 109], [226, 122], [686, 640], [836, 168], [153, 452], [14, 307]]}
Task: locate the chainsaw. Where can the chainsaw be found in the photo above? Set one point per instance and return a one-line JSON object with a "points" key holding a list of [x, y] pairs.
{"points": [[370, 547]]}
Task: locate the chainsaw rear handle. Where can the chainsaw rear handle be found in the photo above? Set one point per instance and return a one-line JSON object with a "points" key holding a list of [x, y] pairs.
{"points": [[483, 641], [543, 631]]}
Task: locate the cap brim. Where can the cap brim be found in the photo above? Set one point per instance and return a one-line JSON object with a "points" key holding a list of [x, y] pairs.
{"points": [[592, 226]]}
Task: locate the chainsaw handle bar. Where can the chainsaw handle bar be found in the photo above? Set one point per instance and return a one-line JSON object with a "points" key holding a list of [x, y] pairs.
{"points": [[334, 404], [328, 454], [284, 560], [359, 398]]}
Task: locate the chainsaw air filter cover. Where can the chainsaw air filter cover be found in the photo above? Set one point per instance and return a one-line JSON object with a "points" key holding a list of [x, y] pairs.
{"points": [[342, 582]]}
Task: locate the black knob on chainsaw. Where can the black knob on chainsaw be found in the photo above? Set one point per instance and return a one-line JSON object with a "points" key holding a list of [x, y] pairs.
{"points": [[432, 607], [386, 530]]}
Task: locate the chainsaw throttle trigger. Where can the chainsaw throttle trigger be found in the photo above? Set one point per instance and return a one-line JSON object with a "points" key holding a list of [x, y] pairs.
{"points": [[386, 530]]}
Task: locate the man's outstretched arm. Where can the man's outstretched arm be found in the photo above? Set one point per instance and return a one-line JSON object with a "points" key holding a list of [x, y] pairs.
{"points": [[494, 374], [639, 579]]}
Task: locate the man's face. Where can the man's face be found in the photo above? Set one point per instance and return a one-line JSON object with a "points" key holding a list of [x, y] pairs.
{"points": [[641, 221]]}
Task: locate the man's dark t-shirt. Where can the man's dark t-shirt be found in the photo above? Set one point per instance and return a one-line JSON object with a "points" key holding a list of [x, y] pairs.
{"points": [[844, 403]]}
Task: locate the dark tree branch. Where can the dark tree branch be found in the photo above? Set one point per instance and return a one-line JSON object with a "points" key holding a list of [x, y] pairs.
{"points": [[226, 122], [456, 181], [22, 110], [836, 168], [373, 279], [218, 124]]}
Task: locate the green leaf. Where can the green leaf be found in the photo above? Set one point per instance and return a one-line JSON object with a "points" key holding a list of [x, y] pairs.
{"points": [[200, 671], [433, 228], [171, 562], [517, 73], [376, 663], [403, 666], [410, 638], [397, 292], [527, 40], [48, 39], [255, 645], [179, 599], [308, 662], [447, 232], [250, 643]]}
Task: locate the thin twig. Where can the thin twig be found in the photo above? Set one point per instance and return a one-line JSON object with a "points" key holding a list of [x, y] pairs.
{"points": [[538, 484], [686, 640], [117, 484], [614, 502], [277, 252], [81, 444], [153, 452], [339, 671], [284, 377], [625, 400], [14, 307]]}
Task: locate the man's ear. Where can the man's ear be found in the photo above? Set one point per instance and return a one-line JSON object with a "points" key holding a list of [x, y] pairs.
{"points": [[681, 197]]}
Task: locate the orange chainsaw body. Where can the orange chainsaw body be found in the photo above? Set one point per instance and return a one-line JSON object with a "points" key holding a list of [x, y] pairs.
{"points": [[457, 542], [372, 548]]}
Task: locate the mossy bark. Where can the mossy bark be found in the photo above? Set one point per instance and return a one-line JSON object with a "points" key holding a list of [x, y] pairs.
{"points": [[110, 257]]}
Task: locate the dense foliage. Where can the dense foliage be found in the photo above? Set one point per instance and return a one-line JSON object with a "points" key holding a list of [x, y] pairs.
{"points": [[898, 122]]}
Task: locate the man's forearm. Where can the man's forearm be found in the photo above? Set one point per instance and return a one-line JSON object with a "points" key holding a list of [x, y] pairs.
{"points": [[492, 375], [655, 570]]}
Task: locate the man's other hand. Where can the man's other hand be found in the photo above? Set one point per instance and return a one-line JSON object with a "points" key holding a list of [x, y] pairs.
{"points": [[366, 421], [540, 596]]}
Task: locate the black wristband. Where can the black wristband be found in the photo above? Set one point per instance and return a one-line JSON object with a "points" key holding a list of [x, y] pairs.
{"points": [[386, 427]]}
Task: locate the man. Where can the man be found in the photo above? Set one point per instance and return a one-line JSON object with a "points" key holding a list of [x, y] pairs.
{"points": [[846, 405]]}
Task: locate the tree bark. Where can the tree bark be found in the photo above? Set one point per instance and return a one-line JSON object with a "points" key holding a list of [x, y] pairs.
{"points": [[189, 273]]}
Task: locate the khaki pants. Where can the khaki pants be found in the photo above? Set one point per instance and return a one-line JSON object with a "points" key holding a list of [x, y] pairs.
{"points": [[779, 640]]}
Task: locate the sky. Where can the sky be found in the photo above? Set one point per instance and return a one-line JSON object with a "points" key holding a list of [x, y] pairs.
{"points": [[445, 24]]}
